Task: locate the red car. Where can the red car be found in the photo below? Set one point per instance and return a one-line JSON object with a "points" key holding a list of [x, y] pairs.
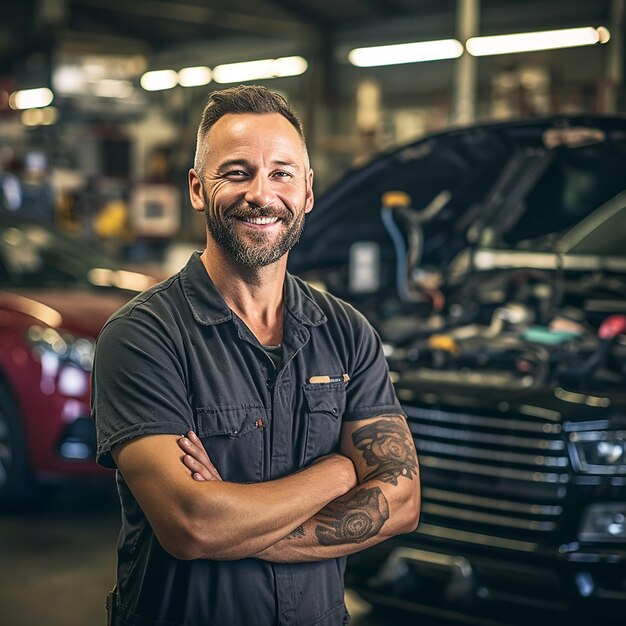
{"points": [[55, 295]]}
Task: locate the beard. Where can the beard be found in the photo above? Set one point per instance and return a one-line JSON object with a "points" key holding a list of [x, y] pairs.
{"points": [[257, 250]]}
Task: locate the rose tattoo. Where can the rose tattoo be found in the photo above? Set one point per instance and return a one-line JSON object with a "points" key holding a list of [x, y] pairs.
{"points": [[386, 448]]}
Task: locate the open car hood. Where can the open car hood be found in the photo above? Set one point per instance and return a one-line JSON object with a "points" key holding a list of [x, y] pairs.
{"points": [[497, 186]]}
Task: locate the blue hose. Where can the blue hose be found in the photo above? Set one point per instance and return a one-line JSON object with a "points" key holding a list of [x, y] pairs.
{"points": [[401, 252]]}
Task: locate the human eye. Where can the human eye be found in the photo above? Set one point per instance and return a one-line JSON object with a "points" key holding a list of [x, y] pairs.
{"points": [[283, 174], [235, 174]]}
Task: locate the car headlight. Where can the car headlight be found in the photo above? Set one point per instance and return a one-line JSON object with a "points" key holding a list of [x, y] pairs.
{"points": [[605, 521], [66, 360], [599, 451], [65, 347]]}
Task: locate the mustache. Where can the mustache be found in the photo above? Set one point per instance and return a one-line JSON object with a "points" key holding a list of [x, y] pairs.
{"points": [[244, 209], [241, 211]]}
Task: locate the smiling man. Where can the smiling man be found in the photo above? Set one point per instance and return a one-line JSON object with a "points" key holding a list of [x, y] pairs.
{"points": [[296, 452]]}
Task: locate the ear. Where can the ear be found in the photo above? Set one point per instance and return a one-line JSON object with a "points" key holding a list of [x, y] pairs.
{"points": [[309, 200], [195, 191]]}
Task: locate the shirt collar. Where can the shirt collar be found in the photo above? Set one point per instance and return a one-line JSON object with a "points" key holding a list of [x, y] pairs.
{"points": [[209, 308]]}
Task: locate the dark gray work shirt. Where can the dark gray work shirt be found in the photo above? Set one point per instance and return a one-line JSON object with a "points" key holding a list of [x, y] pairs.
{"points": [[175, 359]]}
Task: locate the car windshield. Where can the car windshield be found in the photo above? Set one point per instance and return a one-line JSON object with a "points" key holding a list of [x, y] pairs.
{"points": [[602, 233], [32, 255]]}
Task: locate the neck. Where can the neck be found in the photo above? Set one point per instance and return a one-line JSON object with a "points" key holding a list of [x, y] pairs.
{"points": [[254, 294]]}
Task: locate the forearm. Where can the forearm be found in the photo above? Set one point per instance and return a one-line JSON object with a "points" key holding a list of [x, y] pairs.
{"points": [[231, 521], [365, 516], [386, 501], [212, 519]]}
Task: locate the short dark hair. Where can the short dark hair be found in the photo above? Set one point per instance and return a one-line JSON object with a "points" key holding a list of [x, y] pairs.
{"points": [[242, 99]]}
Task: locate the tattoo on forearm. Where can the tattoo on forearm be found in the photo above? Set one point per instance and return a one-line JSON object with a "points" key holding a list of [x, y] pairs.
{"points": [[296, 532], [353, 518], [386, 446]]}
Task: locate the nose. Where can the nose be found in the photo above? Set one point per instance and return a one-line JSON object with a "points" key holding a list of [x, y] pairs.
{"points": [[259, 191]]}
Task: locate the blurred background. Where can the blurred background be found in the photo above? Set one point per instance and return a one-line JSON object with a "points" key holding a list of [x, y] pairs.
{"points": [[99, 106], [99, 99]]}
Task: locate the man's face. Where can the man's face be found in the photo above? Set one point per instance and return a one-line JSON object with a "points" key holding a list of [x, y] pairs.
{"points": [[256, 187]]}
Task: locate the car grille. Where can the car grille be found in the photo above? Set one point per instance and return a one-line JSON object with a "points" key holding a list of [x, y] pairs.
{"points": [[497, 480]]}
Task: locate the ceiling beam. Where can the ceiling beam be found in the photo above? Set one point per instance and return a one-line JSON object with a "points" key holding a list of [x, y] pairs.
{"points": [[193, 14], [303, 13], [91, 20], [384, 8]]}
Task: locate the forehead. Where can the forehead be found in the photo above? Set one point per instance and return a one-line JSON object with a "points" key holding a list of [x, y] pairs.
{"points": [[249, 135]]}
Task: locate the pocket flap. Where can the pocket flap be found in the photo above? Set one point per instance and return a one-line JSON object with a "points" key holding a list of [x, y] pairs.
{"points": [[326, 398], [229, 420]]}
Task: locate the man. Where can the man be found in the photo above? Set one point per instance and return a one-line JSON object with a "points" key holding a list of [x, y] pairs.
{"points": [[298, 450]]}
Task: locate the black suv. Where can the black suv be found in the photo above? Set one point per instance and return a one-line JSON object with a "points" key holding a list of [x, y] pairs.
{"points": [[492, 261]]}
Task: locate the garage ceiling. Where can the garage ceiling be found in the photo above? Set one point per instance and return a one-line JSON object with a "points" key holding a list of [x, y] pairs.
{"points": [[156, 26]]}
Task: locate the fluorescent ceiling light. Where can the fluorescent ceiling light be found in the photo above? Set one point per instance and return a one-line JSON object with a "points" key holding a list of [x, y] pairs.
{"points": [[31, 98], [194, 76], [159, 79], [259, 70], [541, 40], [406, 53]]}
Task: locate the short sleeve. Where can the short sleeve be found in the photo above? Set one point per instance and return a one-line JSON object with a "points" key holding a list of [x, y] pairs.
{"points": [[138, 385], [370, 391]]}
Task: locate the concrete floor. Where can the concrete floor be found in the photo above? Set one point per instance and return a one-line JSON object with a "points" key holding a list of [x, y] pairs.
{"points": [[58, 561]]}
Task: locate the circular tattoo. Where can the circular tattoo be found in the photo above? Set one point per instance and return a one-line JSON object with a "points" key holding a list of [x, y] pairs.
{"points": [[356, 524], [390, 448]]}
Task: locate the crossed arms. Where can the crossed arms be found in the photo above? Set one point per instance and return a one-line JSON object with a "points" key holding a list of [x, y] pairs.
{"points": [[340, 504]]}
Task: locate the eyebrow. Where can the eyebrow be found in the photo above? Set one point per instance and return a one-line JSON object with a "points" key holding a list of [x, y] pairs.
{"points": [[246, 163], [285, 163]]}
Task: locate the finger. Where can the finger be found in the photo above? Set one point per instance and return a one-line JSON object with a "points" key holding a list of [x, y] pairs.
{"points": [[200, 457], [198, 471], [200, 453], [194, 450], [197, 468], [196, 441], [192, 445]]}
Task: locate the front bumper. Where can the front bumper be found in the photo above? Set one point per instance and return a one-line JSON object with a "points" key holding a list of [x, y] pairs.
{"points": [[501, 587]]}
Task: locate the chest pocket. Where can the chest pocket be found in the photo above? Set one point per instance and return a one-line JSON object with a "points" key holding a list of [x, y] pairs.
{"points": [[326, 404], [234, 438]]}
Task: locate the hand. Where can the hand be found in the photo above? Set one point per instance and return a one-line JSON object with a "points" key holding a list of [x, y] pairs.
{"points": [[345, 469], [196, 459]]}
